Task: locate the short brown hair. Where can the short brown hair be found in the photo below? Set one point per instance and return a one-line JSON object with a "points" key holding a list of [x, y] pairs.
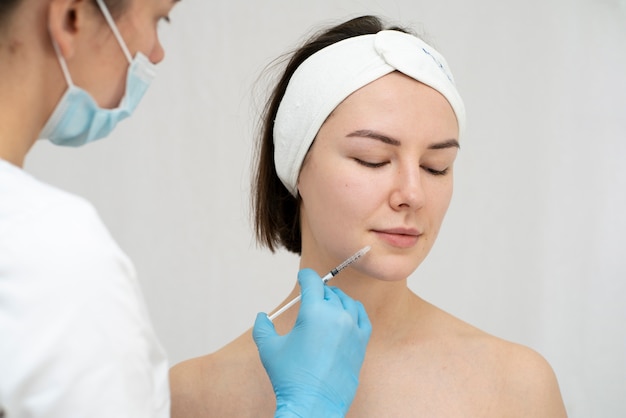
{"points": [[6, 7]]}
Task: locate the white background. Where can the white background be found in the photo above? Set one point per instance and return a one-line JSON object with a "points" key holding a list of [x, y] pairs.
{"points": [[533, 248]]}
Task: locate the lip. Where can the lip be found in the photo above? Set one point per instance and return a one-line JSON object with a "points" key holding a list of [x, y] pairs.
{"points": [[399, 237]]}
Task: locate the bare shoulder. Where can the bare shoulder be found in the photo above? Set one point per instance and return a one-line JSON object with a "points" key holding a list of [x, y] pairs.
{"points": [[520, 381], [526, 383], [530, 386], [195, 386], [229, 382]]}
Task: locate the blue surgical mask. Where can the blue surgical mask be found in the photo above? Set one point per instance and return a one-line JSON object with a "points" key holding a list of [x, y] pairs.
{"points": [[77, 118]]}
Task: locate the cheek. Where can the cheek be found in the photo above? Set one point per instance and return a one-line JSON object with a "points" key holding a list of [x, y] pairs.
{"points": [[446, 196], [336, 204], [329, 200], [439, 198]]}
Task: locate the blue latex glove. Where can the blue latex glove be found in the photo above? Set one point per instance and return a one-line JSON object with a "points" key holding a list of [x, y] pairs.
{"points": [[314, 369]]}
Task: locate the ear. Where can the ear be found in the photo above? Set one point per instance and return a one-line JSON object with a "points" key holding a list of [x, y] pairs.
{"points": [[66, 22]]}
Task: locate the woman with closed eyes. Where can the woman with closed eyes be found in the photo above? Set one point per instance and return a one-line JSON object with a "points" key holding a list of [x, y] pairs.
{"points": [[357, 148]]}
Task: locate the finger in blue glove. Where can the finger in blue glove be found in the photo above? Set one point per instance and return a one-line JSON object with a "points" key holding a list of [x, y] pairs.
{"points": [[314, 369]]}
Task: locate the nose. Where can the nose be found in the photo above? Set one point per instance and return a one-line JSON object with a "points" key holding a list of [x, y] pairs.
{"points": [[157, 54], [408, 191]]}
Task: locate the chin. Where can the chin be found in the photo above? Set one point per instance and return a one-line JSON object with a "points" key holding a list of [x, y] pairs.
{"points": [[389, 269]]}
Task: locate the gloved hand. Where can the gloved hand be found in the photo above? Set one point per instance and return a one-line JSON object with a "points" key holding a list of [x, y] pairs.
{"points": [[314, 369]]}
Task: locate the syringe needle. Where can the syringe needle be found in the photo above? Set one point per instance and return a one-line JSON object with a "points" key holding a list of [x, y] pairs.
{"points": [[325, 279]]}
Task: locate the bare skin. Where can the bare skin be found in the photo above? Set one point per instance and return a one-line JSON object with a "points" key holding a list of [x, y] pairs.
{"points": [[384, 158], [438, 366]]}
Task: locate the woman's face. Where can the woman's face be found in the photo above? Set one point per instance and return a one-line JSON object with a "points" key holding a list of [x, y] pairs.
{"points": [[100, 65], [379, 173]]}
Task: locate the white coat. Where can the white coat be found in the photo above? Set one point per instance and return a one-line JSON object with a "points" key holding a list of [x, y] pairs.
{"points": [[75, 336]]}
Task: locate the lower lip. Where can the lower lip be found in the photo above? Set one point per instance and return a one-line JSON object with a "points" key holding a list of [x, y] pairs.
{"points": [[398, 240]]}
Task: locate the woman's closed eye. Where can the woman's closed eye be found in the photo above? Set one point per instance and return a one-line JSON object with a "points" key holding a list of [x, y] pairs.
{"points": [[436, 172], [371, 163]]}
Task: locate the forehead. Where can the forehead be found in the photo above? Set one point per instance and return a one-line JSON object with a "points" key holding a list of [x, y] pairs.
{"points": [[397, 102]]}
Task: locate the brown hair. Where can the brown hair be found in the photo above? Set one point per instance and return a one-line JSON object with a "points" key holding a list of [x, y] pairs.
{"points": [[276, 211], [6, 7]]}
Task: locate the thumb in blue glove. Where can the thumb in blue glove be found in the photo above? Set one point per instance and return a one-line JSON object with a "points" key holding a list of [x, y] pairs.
{"points": [[314, 369]]}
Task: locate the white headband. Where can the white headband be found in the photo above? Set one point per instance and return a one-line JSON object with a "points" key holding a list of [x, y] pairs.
{"points": [[330, 75]]}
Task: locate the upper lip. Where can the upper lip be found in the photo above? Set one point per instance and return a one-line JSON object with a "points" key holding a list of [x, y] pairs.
{"points": [[400, 231]]}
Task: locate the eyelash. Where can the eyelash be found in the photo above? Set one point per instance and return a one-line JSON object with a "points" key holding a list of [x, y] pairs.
{"points": [[370, 165], [436, 172], [378, 165]]}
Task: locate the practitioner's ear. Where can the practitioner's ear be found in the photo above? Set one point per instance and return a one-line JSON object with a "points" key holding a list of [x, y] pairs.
{"points": [[67, 20]]}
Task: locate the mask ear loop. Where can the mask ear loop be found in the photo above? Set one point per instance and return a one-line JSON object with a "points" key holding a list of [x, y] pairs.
{"points": [[66, 72], [116, 32]]}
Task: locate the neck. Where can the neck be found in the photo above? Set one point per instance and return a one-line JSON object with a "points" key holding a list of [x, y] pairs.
{"points": [[390, 306], [31, 85]]}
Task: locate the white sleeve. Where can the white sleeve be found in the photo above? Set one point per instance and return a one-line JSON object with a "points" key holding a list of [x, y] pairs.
{"points": [[75, 337]]}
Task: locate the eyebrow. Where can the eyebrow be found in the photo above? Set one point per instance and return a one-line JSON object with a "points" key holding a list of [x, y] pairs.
{"points": [[450, 143], [366, 133]]}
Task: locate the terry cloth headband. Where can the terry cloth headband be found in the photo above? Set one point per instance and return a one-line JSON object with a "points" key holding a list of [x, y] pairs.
{"points": [[330, 75]]}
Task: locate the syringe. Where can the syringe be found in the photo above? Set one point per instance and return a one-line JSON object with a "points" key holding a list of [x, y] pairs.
{"points": [[325, 279]]}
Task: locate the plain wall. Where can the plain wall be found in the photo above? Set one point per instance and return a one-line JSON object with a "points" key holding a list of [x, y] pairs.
{"points": [[533, 246]]}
